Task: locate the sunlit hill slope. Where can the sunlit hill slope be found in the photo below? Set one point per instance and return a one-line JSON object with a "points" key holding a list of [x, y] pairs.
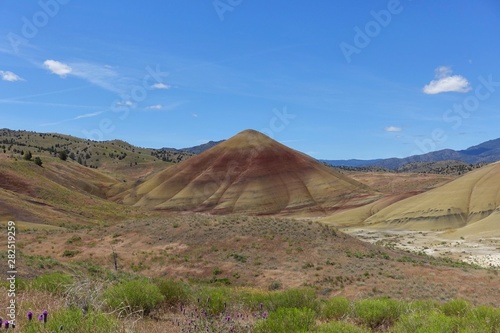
{"points": [[250, 173]]}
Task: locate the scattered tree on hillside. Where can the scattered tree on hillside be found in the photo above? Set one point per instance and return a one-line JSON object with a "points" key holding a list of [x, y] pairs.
{"points": [[63, 155], [28, 156], [38, 161]]}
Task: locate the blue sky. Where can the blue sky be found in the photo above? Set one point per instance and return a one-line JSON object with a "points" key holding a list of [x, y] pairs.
{"points": [[334, 79]]}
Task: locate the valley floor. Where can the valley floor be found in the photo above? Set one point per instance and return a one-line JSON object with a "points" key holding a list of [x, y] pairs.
{"points": [[481, 251]]}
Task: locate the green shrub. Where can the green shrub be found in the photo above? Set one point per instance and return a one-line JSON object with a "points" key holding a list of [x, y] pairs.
{"points": [[458, 307], [482, 319], [335, 308], [287, 320], [292, 298], [55, 283], [72, 320], [139, 295], [271, 301], [174, 292], [340, 327], [70, 253], [214, 300], [432, 322], [376, 312], [275, 285], [423, 306]]}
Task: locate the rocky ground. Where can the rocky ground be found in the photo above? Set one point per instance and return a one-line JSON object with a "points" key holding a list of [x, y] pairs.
{"points": [[484, 252]]}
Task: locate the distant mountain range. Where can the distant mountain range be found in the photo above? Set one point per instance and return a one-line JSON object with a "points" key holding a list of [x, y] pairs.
{"points": [[197, 149], [485, 152]]}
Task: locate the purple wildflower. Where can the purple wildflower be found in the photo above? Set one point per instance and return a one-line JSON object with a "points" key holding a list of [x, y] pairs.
{"points": [[45, 313], [40, 317], [30, 315], [1, 321], [6, 324], [261, 306]]}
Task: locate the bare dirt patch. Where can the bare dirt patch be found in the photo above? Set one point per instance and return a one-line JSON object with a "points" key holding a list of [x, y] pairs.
{"points": [[484, 252]]}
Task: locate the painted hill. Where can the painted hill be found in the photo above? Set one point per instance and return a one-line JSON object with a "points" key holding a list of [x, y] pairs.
{"points": [[485, 152], [250, 173], [58, 192], [471, 201]]}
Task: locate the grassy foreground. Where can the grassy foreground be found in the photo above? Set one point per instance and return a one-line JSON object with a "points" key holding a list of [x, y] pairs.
{"points": [[125, 303]]}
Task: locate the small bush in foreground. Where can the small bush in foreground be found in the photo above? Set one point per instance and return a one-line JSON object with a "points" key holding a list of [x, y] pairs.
{"points": [[291, 298], [433, 322], [457, 307], [377, 312], [55, 283], [335, 308], [174, 292], [74, 321], [139, 295], [288, 320]]}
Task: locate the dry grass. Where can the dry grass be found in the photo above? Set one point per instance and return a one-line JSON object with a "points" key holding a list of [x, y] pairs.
{"points": [[261, 252]]}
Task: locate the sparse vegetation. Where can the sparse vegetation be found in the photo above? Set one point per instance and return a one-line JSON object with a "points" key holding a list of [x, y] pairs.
{"points": [[139, 296], [226, 273], [111, 303]]}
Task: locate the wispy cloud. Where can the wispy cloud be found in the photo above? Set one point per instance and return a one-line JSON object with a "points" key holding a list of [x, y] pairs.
{"points": [[102, 76], [82, 116], [59, 105], [393, 129], [165, 107], [10, 76], [155, 107], [88, 115], [445, 82], [161, 86], [57, 67]]}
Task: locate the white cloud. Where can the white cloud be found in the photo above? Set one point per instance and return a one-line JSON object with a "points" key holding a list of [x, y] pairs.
{"points": [[445, 82], [161, 86], [125, 103], [155, 107], [88, 115], [57, 67], [393, 129], [9, 76]]}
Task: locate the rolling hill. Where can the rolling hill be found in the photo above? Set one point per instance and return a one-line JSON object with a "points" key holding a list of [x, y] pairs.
{"points": [[116, 157], [471, 201], [250, 173], [56, 193]]}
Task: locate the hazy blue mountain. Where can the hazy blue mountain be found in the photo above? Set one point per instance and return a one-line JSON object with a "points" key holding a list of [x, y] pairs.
{"points": [[485, 152]]}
